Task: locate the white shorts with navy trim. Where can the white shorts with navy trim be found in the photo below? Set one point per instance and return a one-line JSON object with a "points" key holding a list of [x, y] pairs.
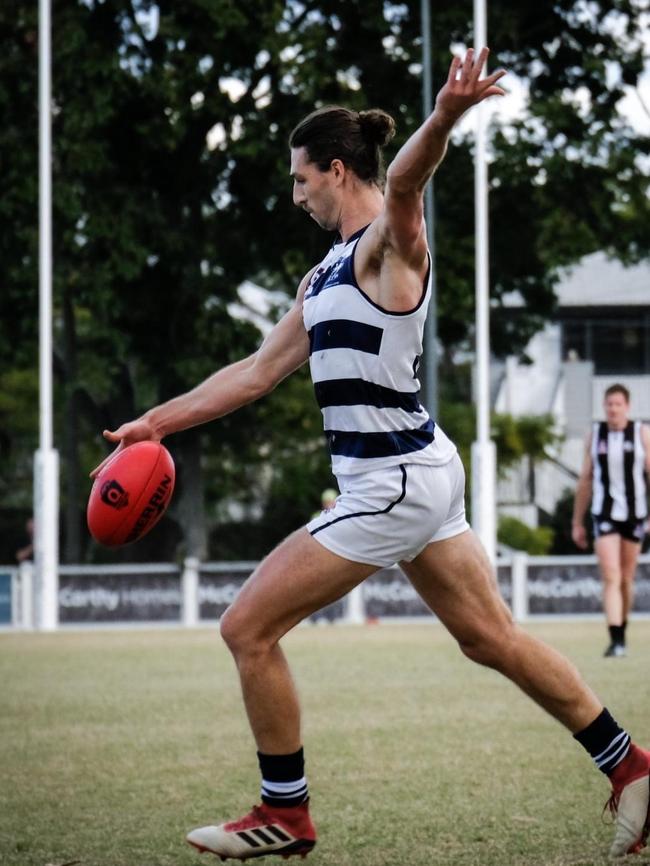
{"points": [[390, 515]]}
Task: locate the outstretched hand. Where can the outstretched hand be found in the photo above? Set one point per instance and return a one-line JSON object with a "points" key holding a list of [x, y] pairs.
{"points": [[465, 87], [134, 431]]}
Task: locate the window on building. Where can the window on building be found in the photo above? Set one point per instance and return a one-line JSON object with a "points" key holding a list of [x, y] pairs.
{"points": [[574, 341], [614, 344]]}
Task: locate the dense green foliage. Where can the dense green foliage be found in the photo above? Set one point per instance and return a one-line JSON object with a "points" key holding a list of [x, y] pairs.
{"points": [[519, 536], [527, 436], [171, 188]]}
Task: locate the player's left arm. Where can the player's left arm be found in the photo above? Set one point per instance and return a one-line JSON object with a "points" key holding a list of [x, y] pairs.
{"points": [[402, 223], [645, 439]]}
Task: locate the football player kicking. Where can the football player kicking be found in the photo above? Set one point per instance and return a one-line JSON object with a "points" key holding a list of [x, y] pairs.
{"points": [[358, 318]]}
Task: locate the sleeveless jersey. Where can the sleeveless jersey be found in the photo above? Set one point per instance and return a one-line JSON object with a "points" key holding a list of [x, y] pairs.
{"points": [[364, 363], [619, 488]]}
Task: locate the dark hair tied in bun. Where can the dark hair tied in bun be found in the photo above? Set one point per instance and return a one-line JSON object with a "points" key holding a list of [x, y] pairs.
{"points": [[354, 137], [377, 126]]}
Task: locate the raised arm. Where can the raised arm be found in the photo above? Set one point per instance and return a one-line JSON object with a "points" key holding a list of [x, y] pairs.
{"points": [[582, 498], [284, 350], [415, 163]]}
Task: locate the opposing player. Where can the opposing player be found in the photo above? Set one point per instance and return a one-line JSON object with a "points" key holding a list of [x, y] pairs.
{"points": [[358, 318], [616, 460]]}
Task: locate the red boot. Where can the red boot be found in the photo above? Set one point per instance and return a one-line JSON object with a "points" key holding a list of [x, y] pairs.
{"points": [[263, 831], [630, 802]]}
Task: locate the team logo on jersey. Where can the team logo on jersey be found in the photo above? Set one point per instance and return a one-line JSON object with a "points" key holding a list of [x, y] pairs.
{"points": [[332, 277], [318, 273], [629, 446], [602, 447], [317, 281]]}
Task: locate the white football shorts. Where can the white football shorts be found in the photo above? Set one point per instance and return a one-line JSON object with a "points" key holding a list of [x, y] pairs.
{"points": [[390, 515]]}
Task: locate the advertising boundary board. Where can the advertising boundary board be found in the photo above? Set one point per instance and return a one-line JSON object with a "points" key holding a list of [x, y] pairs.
{"points": [[219, 584], [6, 597], [198, 593], [121, 594]]}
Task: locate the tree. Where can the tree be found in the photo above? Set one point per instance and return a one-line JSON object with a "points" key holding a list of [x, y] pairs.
{"points": [[170, 183], [514, 533], [528, 438], [560, 525]]}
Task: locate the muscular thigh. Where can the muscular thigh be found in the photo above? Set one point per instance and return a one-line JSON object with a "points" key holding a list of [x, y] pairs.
{"points": [[456, 580], [296, 579]]}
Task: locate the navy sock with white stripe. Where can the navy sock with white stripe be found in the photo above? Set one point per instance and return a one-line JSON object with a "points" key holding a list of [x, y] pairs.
{"points": [[283, 779], [606, 742]]}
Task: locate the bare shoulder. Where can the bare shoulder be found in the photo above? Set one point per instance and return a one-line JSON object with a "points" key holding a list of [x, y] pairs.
{"points": [[391, 276], [381, 240]]}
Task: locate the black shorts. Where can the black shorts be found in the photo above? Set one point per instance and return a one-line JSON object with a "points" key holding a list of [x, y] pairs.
{"points": [[631, 530]]}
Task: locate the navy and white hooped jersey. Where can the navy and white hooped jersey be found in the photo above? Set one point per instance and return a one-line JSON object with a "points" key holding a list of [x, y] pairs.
{"points": [[619, 487], [364, 363]]}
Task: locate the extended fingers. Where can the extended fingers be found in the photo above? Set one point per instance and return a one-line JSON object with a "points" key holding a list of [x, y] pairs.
{"points": [[453, 69], [95, 472], [481, 60], [112, 438], [468, 64], [472, 66], [469, 70], [462, 66], [488, 86], [492, 79]]}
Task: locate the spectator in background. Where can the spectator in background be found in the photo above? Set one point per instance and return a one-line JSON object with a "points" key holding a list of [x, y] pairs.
{"points": [[26, 550], [327, 501], [328, 498], [613, 477]]}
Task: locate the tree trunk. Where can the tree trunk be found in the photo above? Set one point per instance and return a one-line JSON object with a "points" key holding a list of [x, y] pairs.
{"points": [[189, 500], [531, 478]]}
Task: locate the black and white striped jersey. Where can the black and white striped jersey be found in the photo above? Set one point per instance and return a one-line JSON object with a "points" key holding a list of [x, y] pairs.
{"points": [[619, 487], [364, 362]]}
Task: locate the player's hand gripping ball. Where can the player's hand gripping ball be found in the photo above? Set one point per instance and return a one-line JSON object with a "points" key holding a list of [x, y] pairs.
{"points": [[131, 494]]}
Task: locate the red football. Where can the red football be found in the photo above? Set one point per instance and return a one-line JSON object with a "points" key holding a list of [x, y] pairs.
{"points": [[131, 494]]}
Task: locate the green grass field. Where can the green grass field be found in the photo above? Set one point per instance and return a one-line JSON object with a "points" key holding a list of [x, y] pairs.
{"points": [[114, 743]]}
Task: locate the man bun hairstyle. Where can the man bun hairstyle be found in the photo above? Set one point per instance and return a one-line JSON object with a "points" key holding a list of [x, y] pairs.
{"points": [[354, 137], [377, 126]]}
